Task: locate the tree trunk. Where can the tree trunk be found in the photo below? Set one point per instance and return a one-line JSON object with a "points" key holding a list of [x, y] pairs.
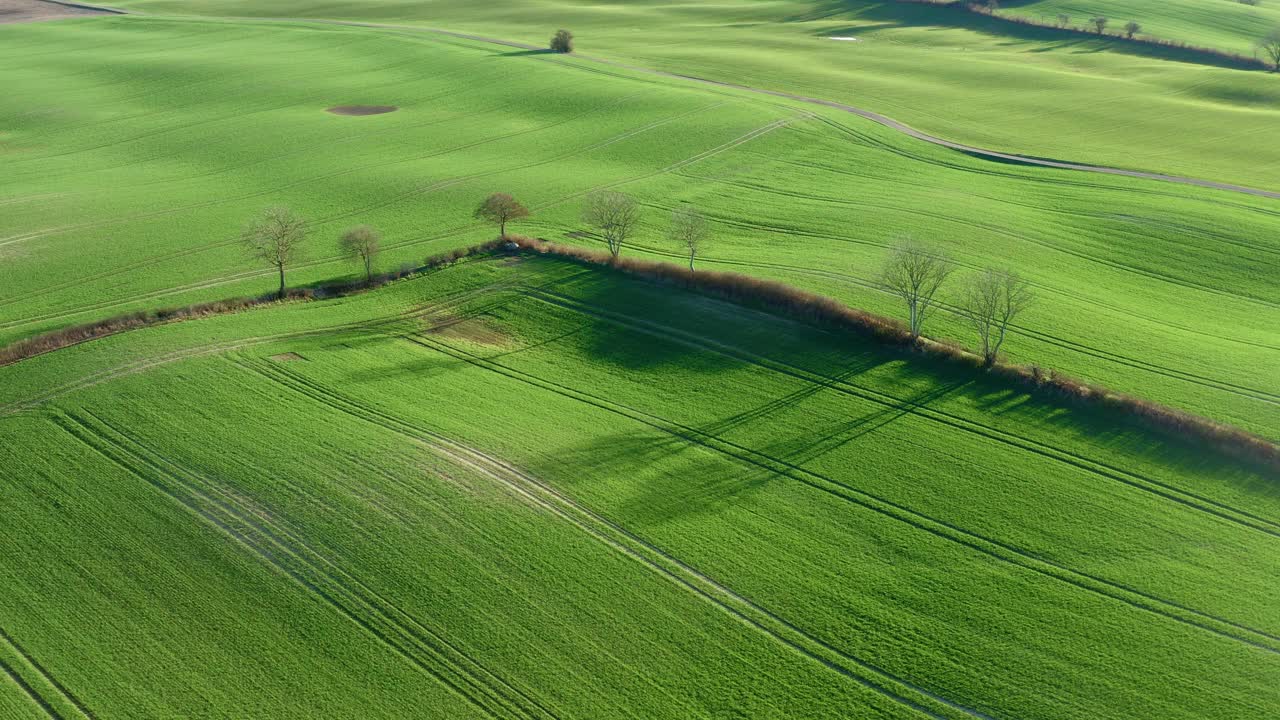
{"points": [[690, 262], [502, 229], [281, 269], [368, 270]]}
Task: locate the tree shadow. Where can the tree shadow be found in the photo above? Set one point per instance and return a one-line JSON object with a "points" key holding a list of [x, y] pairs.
{"points": [[927, 15], [526, 53]]}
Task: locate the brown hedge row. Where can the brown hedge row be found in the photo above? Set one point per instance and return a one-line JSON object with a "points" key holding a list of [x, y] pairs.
{"points": [[812, 307]]}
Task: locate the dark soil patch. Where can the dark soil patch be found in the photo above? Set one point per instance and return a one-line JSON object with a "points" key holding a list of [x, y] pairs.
{"points": [[362, 109], [472, 330], [287, 357]]}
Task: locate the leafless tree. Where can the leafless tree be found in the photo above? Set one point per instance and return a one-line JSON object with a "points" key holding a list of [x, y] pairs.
{"points": [[914, 273], [500, 209], [990, 303], [1270, 46], [1064, 20], [1099, 23], [275, 238], [361, 243], [1131, 28], [614, 214], [562, 42], [689, 230]]}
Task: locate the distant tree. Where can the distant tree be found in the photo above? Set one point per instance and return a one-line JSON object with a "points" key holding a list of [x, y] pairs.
{"points": [[361, 243], [500, 209], [689, 230], [1064, 20], [914, 273], [1270, 46], [562, 42], [1131, 28], [1099, 23], [990, 303], [614, 214], [993, 6], [275, 238]]}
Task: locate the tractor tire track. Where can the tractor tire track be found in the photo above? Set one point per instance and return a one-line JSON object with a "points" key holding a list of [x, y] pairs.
{"points": [[623, 541], [66, 702], [426, 650]]}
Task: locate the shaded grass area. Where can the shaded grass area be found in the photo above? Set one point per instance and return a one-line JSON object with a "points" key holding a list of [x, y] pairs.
{"points": [[929, 531]]}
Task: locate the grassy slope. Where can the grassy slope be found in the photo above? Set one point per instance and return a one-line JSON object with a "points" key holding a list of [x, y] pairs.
{"points": [[963, 76], [1224, 24], [130, 177], [968, 541]]}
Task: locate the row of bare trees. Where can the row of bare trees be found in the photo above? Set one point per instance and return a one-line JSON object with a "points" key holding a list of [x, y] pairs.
{"points": [[988, 302], [276, 237]]}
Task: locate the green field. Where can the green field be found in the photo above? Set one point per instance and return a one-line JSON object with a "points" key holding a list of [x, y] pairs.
{"points": [[127, 186], [519, 486], [1228, 25], [962, 76], [503, 488]]}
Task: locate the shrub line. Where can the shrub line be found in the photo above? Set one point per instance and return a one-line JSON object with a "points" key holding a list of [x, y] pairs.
{"points": [[67, 337], [735, 287], [1243, 62], [819, 309]]}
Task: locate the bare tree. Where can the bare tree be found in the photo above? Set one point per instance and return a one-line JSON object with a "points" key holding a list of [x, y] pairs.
{"points": [[1270, 46], [562, 42], [500, 209], [1099, 23], [914, 273], [1131, 28], [990, 303], [361, 243], [614, 214], [1064, 20], [275, 238], [689, 230]]}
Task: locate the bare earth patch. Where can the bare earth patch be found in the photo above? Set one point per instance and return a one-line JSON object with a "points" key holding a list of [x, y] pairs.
{"points": [[471, 330], [357, 109], [287, 357], [17, 11]]}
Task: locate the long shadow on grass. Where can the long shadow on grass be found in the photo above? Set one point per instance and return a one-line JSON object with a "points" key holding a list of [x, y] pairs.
{"points": [[946, 396], [924, 15]]}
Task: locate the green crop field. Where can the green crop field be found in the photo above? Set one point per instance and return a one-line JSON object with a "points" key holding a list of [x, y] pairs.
{"points": [[967, 77], [504, 488], [521, 486], [1227, 25]]}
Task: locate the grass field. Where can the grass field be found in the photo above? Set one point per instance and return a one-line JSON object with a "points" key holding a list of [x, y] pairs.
{"points": [[129, 180], [523, 487], [1231, 26], [501, 489], [962, 76]]}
